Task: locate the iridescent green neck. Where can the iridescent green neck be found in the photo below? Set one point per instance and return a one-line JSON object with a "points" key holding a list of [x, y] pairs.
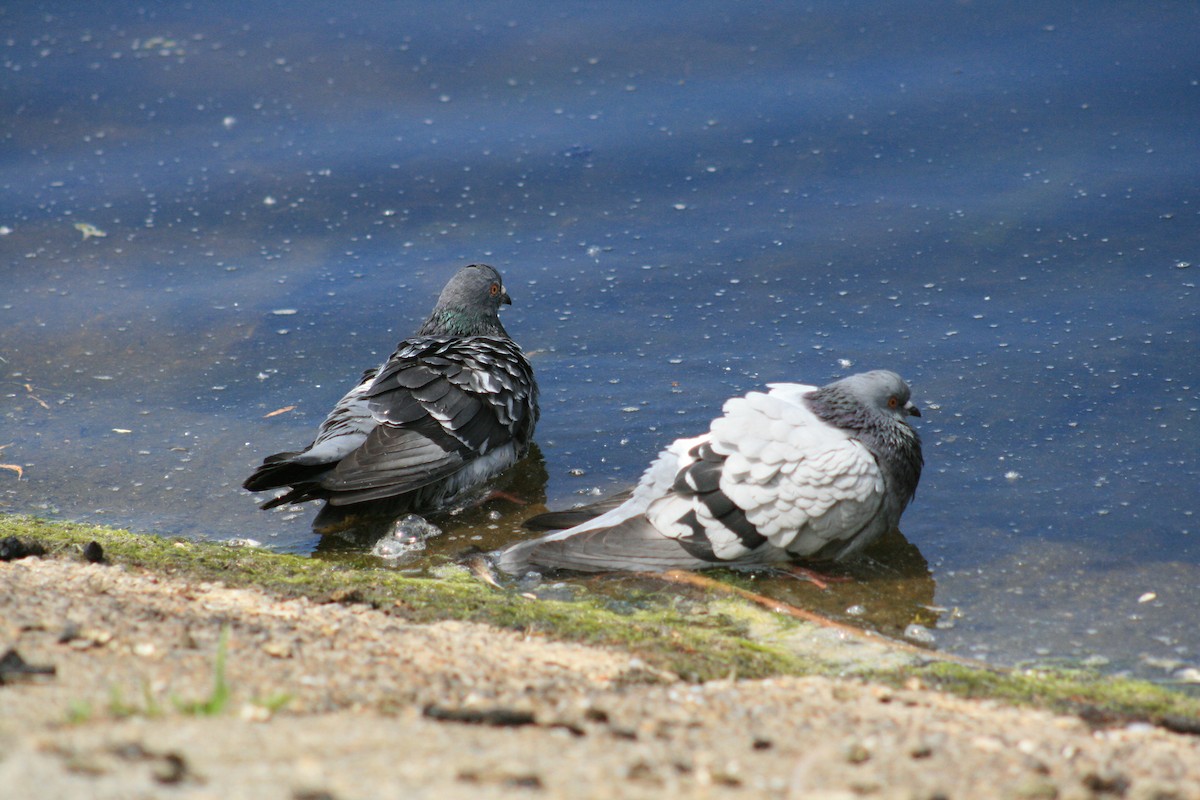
{"points": [[456, 321]]}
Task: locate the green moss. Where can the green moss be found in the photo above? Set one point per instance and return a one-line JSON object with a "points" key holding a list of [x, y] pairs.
{"points": [[695, 636], [694, 646], [1097, 698]]}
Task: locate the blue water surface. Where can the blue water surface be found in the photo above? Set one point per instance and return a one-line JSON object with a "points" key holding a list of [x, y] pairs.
{"points": [[211, 212]]}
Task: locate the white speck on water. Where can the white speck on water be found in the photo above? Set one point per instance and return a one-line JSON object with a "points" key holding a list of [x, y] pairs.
{"points": [[1147, 597], [269, 201], [1012, 475], [284, 312]]}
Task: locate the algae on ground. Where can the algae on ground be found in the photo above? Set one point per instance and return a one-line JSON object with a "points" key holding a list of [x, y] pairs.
{"points": [[1098, 699], [694, 646], [709, 638]]}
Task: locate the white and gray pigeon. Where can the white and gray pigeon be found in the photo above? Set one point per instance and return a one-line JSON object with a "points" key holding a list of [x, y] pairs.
{"points": [[453, 406], [796, 472]]}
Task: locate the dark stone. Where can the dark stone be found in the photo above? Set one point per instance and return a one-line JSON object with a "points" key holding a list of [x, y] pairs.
{"points": [[93, 553], [15, 668], [530, 781], [172, 769], [496, 717], [12, 548], [1180, 723], [1106, 783]]}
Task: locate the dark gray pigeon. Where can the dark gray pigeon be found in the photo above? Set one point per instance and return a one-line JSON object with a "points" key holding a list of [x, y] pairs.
{"points": [[455, 405], [797, 472]]}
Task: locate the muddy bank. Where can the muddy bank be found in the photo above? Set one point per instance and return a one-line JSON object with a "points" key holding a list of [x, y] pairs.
{"points": [[170, 683]]}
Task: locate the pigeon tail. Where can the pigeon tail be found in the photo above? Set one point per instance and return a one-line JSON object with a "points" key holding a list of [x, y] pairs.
{"points": [[633, 545], [281, 470]]}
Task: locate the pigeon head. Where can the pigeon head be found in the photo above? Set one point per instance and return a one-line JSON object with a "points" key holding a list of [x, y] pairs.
{"points": [[875, 406], [469, 305], [882, 390]]}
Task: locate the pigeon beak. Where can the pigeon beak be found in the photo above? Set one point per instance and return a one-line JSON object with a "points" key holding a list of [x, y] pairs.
{"points": [[505, 299], [911, 409]]}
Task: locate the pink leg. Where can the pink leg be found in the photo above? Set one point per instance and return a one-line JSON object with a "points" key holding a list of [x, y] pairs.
{"points": [[818, 579]]}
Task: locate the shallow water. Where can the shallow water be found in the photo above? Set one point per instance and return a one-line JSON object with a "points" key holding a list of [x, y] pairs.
{"points": [[686, 202]]}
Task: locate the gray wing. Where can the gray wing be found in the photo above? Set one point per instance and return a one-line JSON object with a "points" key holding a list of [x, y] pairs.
{"points": [[657, 528], [438, 404]]}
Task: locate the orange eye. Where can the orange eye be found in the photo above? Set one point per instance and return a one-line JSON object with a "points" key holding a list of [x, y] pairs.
{"points": [[494, 289], [893, 402]]}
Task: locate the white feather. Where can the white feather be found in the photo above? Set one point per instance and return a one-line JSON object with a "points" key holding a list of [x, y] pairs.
{"points": [[826, 470]]}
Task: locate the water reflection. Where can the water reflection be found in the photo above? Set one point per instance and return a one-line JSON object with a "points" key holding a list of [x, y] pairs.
{"points": [[488, 520], [888, 588]]}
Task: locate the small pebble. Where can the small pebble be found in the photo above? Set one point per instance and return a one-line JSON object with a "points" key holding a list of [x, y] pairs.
{"points": [[172, 769], [1187, 675], [242, 542], [920, 634], [93, 553], [857, 753]]}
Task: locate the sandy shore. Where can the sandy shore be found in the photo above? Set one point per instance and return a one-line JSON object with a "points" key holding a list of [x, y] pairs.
{"points": [[347, 701]]}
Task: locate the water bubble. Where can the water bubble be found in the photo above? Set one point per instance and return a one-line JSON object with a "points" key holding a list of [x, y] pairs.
{"points": [[407, 537]]}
